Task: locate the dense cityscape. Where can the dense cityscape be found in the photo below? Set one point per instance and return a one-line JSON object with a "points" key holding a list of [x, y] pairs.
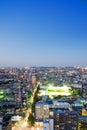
{"points": [[43, 66], [43, 98]]}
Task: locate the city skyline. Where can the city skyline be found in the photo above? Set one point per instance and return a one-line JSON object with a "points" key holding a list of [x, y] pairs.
{"points": [[43, 33]]}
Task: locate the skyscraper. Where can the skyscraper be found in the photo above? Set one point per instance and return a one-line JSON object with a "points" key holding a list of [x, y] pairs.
{"points": [[41, 110]]}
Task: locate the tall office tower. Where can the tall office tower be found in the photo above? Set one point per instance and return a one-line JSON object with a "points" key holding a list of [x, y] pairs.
{"points": [[41, 110], [34, 80], [65, 120]]}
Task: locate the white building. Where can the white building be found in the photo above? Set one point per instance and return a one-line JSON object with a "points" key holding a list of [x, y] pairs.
{"points": [[51, 124], [61, 105], [46, 125], [1, 120]]}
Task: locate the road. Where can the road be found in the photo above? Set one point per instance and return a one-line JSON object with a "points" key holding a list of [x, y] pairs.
{"points": [[23, 124]]}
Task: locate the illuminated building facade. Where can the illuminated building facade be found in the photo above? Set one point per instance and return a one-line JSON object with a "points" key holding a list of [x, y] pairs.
{"points": [[65, 120], [41, 110], [33, 79], [84, 112]]}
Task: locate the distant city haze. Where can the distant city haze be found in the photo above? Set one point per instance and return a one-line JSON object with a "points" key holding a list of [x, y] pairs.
{"points": [[43, 32]]}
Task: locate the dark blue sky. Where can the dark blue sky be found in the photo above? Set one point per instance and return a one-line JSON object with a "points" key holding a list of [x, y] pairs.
{"points": [[43, 32]]}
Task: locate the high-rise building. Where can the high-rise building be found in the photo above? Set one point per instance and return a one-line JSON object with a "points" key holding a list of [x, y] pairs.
{"points": [[34, 80], [65, 120], [41, 110]]}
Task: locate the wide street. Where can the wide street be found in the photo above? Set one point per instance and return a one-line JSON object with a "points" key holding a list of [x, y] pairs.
{"points": [[23, 124]]}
